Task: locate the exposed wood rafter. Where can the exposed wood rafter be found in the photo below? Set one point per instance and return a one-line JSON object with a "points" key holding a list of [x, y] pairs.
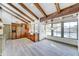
{"points": [[26, 8], [40, 9], [69, 10], [20, 11], [15, 16], [57, 7], [15, 13]]}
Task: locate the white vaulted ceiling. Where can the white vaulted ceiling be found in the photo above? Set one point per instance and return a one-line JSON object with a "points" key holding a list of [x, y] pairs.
{"points": [[34, 9], [47, 8], [65, 5], [22, 9]]}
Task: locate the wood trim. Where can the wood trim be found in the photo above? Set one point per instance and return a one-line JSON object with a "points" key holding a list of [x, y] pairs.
{"points": [[15, 13], [69, 10], [20, 11], [57, 7], [26, 8], [40, 9]]}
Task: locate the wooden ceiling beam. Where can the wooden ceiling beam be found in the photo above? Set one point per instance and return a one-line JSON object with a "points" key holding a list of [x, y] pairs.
{"points": [[15, 13], [69, 10], [57, 7], [20, 11], [15, 16], [26, 8], [40, 9]]}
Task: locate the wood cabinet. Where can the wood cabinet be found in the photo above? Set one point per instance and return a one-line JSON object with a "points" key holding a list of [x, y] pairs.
{"points": [[33, 37], [22, 31]]}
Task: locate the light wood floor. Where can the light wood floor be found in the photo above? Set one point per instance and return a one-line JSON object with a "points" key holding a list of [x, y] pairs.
{"points": [[25, 47]]}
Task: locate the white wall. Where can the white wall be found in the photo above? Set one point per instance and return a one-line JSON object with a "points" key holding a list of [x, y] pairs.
{"points": [[37, 26], [66, 18], [42, 31], [34, 27], [31, 28], [78, 32]]}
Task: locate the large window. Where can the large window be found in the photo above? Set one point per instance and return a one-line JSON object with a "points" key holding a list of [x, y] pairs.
{"points": [[70, 30], [57, 29], [48, 29]]}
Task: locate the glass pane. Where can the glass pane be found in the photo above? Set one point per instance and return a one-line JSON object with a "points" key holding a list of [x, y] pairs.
{"points": [[54, 33], [73, 27], [70, 30], [57, 29], [73, 30], [73, 35], [66, 30], [66, 34], [48, 29]]}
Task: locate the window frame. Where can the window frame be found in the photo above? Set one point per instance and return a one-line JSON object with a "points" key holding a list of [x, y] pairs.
{"points": [[62, 30], [56, 31], [70, 31]]}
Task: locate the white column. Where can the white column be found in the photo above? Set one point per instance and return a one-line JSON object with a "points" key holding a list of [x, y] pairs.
{"points": [[78, 33], [39, 28]]}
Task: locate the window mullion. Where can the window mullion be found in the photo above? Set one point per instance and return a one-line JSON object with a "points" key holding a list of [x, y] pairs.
{"points": [[62, 29]]}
